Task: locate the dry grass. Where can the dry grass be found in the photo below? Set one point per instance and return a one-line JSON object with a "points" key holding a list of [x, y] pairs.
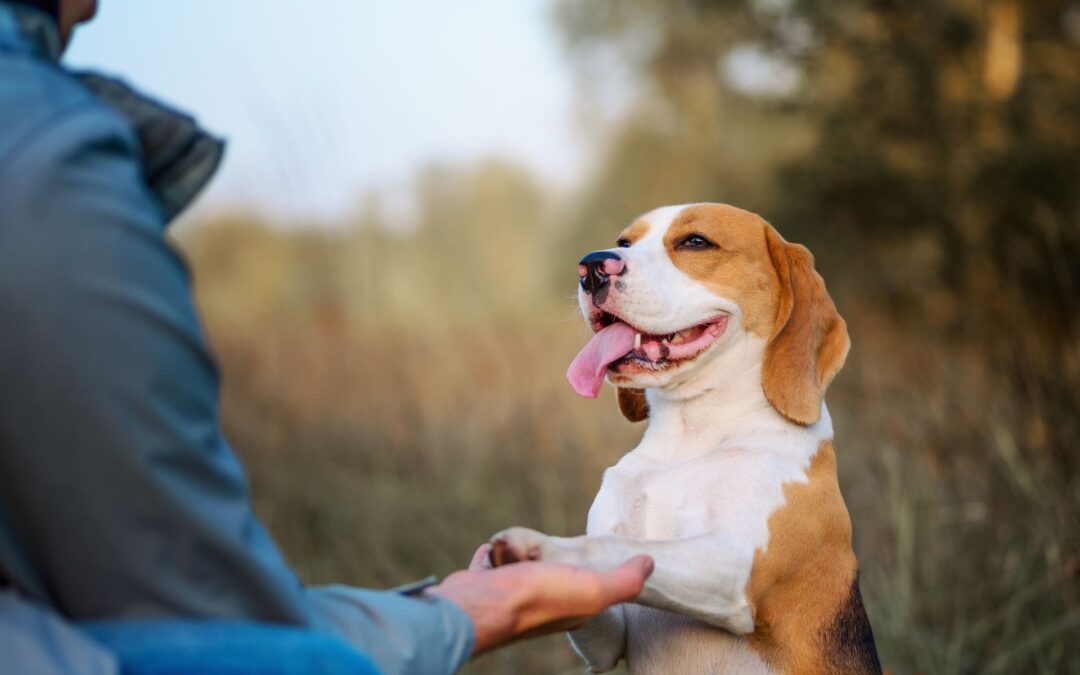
{"points": [[378, 457], [384, 447]]}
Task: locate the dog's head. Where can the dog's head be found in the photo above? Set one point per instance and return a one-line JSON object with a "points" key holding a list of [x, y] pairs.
{"points": [[683, 286]]}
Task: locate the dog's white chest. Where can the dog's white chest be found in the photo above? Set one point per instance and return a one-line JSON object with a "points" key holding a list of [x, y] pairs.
{"points": [[620, 506], [731, 491], [638, 499]]}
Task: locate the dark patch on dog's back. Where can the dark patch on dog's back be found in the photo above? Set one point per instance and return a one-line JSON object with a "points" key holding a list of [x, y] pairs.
{"points": [[849, 641]]}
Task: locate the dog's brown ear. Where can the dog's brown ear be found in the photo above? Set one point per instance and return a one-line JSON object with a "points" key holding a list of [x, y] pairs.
{"points": [[633, 405], [809, 340]]}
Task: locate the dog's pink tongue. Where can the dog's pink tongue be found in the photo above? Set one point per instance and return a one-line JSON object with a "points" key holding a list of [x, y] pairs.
{"points": [[586, 373]]}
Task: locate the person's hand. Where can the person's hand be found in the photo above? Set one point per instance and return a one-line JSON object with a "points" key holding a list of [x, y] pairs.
{"points": [[527, 599]]}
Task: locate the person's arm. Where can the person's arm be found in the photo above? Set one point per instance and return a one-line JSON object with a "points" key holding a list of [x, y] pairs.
{"points": [[119, 497]]}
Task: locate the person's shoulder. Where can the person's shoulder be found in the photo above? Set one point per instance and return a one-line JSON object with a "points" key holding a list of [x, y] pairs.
{"points": [[51, 126], [36, 98]]}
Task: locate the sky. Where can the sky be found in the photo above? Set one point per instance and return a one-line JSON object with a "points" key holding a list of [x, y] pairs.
{"points": [[323, 100]]}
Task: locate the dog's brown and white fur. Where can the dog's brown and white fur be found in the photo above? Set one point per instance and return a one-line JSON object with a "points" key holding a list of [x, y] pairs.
{"points": [[733, 488]]}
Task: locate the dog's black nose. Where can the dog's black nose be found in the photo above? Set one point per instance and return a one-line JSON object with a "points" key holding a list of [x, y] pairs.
{"points": [[595, 269]]}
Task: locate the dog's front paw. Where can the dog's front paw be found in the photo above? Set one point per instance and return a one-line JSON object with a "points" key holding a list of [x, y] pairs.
{"points": [[518, 544]]}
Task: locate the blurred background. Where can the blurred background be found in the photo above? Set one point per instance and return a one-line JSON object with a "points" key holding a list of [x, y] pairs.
{"points": [[386, 268]]}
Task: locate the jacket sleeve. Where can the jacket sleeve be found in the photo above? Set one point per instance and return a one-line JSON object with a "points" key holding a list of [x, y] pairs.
{"points": [[119, 497]]}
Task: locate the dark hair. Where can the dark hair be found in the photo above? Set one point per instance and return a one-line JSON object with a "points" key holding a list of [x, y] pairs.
{"points": [[50, 7]]}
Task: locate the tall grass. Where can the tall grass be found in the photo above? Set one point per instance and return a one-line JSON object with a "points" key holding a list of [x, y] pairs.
{"points": [[379, 457], [386, 439]]}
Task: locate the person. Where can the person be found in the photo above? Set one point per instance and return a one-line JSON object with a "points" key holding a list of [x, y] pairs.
{"points": [[122, 508]]}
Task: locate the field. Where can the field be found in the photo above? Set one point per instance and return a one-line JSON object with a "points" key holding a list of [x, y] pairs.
{"points": [[392, 414], [394, 379]]}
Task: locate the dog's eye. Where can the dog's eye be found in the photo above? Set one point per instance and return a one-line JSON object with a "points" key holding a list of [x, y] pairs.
{"points": [[696, 242], [623, 243]]}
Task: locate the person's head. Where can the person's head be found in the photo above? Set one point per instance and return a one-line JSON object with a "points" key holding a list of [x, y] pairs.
{"points": [[70, 13]]}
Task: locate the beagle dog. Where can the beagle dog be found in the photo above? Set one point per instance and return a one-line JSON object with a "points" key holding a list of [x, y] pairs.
{"points": [[722, 334]]}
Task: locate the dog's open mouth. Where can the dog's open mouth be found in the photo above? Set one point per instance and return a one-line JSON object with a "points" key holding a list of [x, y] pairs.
{"points": [[620, 347]]}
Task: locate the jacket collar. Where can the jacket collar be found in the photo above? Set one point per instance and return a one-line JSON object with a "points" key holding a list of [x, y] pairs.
{"points": [[178, 157], [30, 30]]}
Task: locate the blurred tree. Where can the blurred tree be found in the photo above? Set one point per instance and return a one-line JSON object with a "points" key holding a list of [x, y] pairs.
{"points": [[686, 137], [957, 119]]}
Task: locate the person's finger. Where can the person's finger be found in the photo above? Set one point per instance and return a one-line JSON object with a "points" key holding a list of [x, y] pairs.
{"points": [[480, 558], [625, 581]]}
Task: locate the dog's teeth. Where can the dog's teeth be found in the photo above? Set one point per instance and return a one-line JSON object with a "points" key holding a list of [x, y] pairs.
{"points": [[667, 339], [637, 340]]}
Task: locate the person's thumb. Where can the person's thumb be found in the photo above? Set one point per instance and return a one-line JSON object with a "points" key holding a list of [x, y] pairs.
{"points": [[626, 581]]}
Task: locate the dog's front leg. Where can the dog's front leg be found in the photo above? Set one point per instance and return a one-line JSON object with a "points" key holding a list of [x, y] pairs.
{"points": [[703, 577], [602, 641]]}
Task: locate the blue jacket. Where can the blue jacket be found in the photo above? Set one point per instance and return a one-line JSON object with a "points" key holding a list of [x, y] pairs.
{"points": [[119, 497]]}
